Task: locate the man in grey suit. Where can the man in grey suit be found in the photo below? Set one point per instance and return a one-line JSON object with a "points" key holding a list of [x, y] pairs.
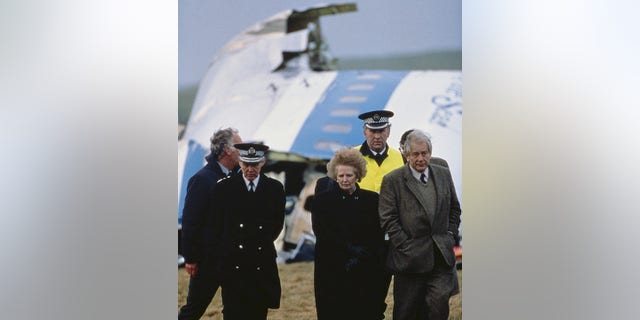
{"points": [[420, 211]]}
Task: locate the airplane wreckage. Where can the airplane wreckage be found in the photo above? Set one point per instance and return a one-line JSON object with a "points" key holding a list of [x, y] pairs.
{"points": [[281, 73]]}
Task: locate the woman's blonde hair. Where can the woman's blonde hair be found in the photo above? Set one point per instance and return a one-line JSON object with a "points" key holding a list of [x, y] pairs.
{"points": [[347, 157]]}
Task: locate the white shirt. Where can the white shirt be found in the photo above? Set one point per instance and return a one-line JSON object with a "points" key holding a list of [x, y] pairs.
{"points": [[255, 183], [378, 153], [417, 174]]}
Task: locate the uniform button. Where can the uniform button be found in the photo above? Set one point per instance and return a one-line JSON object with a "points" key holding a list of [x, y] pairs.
{"points": [[260, 227], [241, 225], [258, 268], [259, 248], [237, 267], [240, 246]]}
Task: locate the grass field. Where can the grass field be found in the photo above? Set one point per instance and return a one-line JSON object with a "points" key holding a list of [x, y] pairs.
{"points": [[297, 302]]}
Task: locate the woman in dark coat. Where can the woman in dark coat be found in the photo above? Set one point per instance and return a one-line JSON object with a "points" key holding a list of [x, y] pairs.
{"points": [[349, 242]]}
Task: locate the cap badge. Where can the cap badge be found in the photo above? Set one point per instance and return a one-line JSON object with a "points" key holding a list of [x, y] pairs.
{"points": [[376, 117], [252, 151]]}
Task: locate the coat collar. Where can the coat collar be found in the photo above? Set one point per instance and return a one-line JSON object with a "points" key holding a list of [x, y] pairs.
{"points": [[344, 195], [366, 151], [212, 163], [240, 183]]}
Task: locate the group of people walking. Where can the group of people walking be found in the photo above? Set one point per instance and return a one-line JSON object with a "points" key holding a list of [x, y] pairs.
{"points": [[379, 212]]}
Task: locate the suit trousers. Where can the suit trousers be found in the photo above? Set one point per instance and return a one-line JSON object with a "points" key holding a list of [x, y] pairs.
{"points": [[386, 282], [202, 288], [244, 311], [240, 303], [424, 296]]}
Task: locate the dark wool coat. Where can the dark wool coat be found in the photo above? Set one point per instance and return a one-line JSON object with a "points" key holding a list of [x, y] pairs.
{"points": [[348, 274], [197, 220], [250, 222]]}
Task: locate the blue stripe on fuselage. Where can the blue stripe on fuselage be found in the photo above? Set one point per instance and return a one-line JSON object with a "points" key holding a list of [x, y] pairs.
{"points": [[334, 122]]}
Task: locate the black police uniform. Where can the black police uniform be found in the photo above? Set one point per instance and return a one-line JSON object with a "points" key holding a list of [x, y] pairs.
{"points": [[251, 222]]}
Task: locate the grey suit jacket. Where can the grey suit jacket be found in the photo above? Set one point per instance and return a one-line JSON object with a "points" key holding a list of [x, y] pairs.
{"points": [[414, 230]]}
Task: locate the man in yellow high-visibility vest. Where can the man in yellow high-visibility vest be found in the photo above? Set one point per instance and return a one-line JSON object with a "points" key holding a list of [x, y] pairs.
{"points": [[380, 158]]}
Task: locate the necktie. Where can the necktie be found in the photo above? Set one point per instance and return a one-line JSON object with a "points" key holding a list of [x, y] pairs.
{"points": [[379, 158], [423, 178], [251, 186]]}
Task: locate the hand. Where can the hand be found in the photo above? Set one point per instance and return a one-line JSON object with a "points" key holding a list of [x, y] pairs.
{"points": [[191, 269]]}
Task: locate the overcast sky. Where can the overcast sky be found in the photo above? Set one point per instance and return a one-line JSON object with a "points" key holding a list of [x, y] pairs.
{"points": [[378, 28]]}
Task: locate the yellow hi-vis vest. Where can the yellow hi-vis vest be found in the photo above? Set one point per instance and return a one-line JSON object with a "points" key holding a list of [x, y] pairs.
{"points": [[373, 180]]}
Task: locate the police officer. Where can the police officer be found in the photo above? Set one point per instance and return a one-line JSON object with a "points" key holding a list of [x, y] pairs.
{"points": [[251, 215], [380, 158]]}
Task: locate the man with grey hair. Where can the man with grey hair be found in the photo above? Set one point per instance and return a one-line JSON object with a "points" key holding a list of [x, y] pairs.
{"points": [[198, 239], [420, 211]]}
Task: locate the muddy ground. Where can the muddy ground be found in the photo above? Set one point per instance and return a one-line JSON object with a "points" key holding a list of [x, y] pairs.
{"points": [[297, 302]]}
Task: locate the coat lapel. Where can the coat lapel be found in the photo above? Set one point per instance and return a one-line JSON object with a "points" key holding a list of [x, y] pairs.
{"points": [[436, 184], [239, 184], [414, 186]]}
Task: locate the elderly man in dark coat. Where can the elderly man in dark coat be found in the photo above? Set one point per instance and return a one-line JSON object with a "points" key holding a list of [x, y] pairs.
{"points": [[251, 215], [198, 223], [420, 211]]}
